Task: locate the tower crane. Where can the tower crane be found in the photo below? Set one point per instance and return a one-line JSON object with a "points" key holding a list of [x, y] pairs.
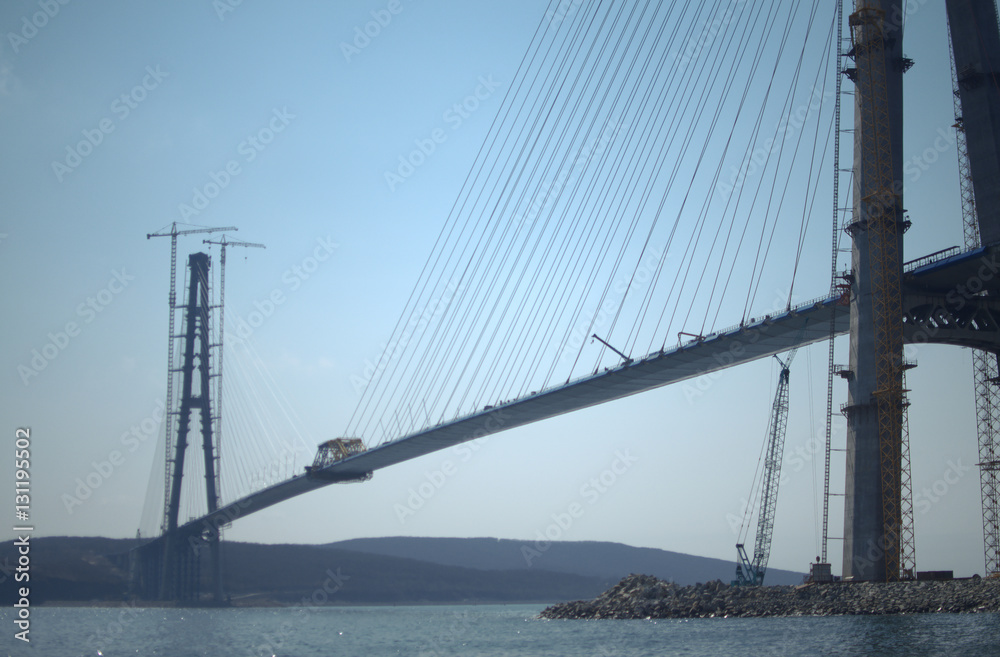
{"points": [[222, 272], [172, 233], [223, 243], [222, 284], [751, 573]]}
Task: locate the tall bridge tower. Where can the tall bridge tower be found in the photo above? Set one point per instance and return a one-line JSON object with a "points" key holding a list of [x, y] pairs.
{"points": [[884, 311], [975, 38], [181, 565], [169, 568], [872, 513]]}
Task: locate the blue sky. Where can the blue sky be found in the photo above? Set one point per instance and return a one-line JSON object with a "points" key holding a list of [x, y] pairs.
{"points": [[296, 132]]}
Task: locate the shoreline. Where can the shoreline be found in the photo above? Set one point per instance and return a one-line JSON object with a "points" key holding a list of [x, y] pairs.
{"points": [[646, 597], [272, 604]]}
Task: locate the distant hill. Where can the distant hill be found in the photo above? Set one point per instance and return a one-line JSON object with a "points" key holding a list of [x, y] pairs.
{"points": [[291, 573], [610, 561], [369, 571], [71, 569]]}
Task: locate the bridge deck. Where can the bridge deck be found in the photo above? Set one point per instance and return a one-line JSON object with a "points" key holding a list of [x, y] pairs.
{"points": [[803, 325]]}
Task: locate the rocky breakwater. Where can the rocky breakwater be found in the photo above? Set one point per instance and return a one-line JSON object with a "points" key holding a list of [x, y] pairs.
{"points": [[643, 596]]}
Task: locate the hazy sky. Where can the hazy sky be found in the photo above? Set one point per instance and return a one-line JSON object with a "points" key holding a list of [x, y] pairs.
{"points": [[263, 102]]}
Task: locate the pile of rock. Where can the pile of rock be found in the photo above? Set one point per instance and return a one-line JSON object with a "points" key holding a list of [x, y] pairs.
{"points": [[643, 596]]}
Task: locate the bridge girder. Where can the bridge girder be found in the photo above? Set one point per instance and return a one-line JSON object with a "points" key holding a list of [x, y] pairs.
{"points": [[930, 319]]}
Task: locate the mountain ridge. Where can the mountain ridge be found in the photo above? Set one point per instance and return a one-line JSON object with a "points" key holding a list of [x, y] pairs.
{"points": [[399, 570], [604, 559]]}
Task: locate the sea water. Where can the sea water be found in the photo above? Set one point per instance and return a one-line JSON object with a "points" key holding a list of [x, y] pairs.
{"points": [[479, 631]]}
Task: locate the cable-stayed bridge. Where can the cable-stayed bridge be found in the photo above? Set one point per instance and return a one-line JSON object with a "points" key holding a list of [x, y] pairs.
{"points": [[598, 141], [801, 326]]}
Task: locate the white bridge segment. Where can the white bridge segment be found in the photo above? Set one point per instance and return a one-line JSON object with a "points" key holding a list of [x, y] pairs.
{"points": [[940, 273]]}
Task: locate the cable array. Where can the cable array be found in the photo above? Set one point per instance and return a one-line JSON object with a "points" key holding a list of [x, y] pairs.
{"points": [[263, 442], [266, 443], [652, 167]]}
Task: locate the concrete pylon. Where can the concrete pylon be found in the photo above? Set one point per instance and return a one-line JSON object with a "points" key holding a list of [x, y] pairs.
{"points": [[975, 41], [864, 525]]}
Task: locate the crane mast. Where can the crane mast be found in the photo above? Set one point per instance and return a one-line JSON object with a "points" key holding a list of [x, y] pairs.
{"points": [[751, 572]]}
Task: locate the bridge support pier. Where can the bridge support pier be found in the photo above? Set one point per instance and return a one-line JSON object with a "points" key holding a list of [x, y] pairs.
{"points": [[975, 42], [171, 568], [975, 39], [871, 533], [181, 555]]}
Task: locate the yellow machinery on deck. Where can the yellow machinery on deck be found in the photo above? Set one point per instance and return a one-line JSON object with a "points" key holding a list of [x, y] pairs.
{"points": [[336, 450]]}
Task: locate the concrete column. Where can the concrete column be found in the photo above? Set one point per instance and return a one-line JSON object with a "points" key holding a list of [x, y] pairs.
{"points": [[864, 549], [976, 43]]}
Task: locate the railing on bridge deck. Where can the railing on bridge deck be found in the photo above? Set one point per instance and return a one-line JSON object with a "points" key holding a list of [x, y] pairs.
{"points": [[769, 316], [931, 258]]}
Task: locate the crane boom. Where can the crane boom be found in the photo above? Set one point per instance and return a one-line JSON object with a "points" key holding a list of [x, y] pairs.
{"points": [[224, 243], [751, 572], [173, 232]]}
